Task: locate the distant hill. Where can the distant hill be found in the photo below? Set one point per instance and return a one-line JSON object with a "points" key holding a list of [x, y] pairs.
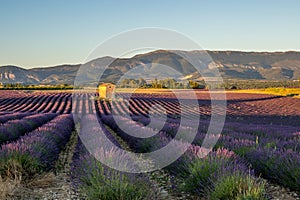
{"points": [[231, 64]]}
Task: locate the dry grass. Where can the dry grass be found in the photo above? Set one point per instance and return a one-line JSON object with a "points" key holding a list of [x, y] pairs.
{"points": [[42, 181], [29, 189], [7, 187], [11, 180]]}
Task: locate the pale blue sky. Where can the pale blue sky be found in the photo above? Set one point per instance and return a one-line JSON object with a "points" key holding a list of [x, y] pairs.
{"points": [[44, 33]]}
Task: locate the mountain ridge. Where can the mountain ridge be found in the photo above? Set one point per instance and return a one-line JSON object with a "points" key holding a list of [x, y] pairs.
{"points": [[231, 64]]}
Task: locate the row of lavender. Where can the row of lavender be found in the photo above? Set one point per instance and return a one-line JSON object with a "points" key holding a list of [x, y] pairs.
{"points": [[274, 154], [95, 180], [5, 117], [272, 150], [37, 150], [13, 129], [52, 103], [221, 174], [142, 106]]}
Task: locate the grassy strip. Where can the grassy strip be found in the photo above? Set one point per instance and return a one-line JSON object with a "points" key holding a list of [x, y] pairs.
{"points": [[292, 92]]}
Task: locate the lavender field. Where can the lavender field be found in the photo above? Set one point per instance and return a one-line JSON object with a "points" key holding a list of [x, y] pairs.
{"points": [[43, 137]]}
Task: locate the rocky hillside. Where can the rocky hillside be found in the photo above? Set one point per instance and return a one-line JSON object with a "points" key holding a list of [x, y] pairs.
{"points": [[253, 65], [231, 64]]}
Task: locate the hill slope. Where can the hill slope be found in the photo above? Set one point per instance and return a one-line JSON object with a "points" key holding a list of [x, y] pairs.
{"points": [[231, 64]]}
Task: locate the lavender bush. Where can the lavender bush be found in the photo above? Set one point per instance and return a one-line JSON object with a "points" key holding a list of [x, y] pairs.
{"points": [[98, 181], [38, 150], [281, 166], [13, 116], [14, 129]]}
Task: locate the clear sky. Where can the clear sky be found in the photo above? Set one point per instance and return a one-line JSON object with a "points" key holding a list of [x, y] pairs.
{"points": [[37, 33]]}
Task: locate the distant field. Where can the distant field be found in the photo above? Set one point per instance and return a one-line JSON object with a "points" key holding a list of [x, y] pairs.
{"points": [[294, 92]]}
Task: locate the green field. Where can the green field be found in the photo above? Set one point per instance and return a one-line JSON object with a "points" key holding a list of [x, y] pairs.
{"points": [[293, 92]]}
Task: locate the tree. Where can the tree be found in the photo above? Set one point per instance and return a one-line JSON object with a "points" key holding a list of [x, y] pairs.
{"points": [[141, 82]]}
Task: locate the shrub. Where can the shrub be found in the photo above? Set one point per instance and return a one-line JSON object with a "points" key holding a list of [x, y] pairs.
{"points": [[200, 172], [98, 181], [204, 171], [238, 186], [18, 166], [108, 184], [279, 165]]}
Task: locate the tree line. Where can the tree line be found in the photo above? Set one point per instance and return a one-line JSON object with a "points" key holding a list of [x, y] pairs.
{"points": [[19, 86], [258, 84], [160, 84], [190, 84]]}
